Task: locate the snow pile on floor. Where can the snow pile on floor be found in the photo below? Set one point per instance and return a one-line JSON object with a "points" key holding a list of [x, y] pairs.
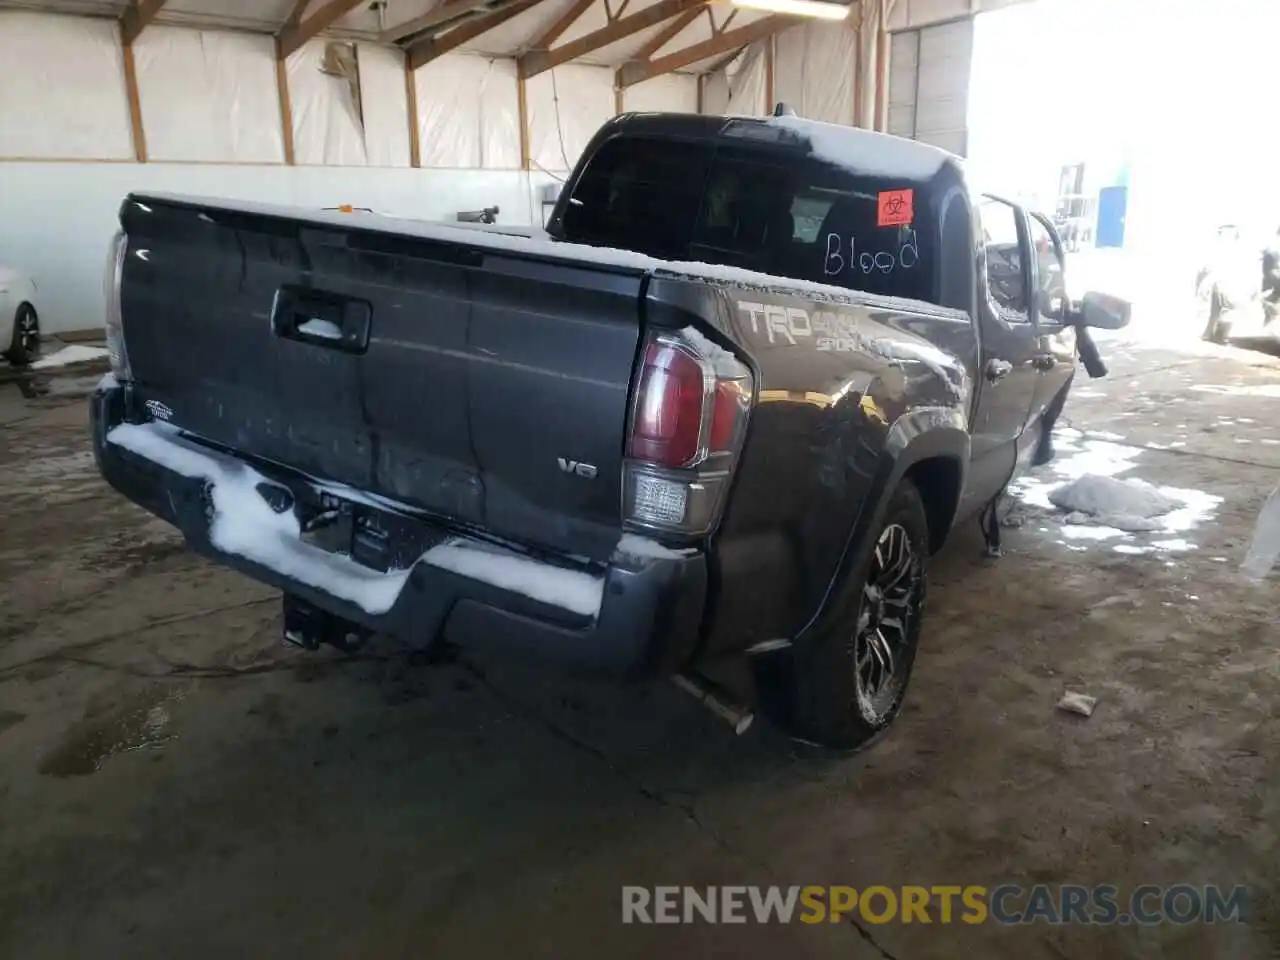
{"points": [[244, 524], [1129, 504], [76, 353]]}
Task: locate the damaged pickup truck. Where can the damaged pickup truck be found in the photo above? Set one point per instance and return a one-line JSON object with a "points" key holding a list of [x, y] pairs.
{"points": [[712, 426]]}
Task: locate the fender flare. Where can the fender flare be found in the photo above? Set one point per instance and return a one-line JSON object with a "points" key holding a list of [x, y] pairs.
{"points": [[920, 434]]}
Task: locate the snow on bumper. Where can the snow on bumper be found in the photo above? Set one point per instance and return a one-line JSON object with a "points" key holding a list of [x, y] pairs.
{"points": [[639, 614]]}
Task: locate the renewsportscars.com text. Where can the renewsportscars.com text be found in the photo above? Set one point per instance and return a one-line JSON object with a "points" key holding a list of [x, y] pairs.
{"points": [[1005, 904]]}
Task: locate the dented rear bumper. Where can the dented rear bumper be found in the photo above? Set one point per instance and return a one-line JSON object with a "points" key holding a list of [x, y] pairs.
{"points": [[649, 611]]}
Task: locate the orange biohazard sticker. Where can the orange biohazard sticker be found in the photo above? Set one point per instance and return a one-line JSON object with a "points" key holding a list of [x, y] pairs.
{"points": [[896, 208]]}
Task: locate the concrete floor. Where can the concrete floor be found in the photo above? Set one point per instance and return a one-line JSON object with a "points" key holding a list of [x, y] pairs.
{"points": [[174, 782]]}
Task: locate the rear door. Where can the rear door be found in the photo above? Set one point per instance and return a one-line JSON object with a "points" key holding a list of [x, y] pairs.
{"points": [[1007, 370]]}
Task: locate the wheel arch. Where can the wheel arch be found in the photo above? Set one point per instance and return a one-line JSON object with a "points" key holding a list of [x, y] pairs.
{"points": [[929, 446]]}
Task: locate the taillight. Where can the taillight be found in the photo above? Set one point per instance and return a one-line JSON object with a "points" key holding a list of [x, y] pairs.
{"points": [[688, 418], [114, 320], [667, 426]]}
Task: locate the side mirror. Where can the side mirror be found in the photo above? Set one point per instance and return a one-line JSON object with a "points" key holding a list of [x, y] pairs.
{"points": [[1102, 311]]}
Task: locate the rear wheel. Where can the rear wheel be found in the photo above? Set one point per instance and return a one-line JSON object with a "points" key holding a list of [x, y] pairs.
{"points": [[851, 671], [24, 346]]}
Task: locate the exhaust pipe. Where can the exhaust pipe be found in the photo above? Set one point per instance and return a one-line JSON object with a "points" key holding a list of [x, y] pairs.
{"points": [[717, 701]]}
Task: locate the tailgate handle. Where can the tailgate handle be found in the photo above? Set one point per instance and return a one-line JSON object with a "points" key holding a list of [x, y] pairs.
{"points": [[329, 320]]}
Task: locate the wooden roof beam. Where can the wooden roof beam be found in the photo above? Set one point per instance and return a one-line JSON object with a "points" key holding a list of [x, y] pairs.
{"points": [[669, 32], [442, 12], [295, 33], [136, 17], [563, 23], [724, 24], [538, 61], [637, 71], [725, 60], [428, 49]]}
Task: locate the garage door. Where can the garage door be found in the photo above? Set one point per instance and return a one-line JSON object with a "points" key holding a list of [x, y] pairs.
{"points": [[929, 84]]}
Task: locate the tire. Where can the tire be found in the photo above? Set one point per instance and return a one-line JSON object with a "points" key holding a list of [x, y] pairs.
{"points": [[24, 345], [842, 698]]}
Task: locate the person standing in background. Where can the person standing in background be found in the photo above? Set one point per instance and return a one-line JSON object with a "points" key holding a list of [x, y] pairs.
{"points": [[1271, 279]]}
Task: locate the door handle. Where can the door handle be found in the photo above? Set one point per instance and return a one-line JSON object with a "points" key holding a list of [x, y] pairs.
{"points": [[322, 319], [1044, 362], [996, 370]]}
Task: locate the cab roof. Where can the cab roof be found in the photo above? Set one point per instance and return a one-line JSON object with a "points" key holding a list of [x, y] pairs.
{"points": [[861, 151]]}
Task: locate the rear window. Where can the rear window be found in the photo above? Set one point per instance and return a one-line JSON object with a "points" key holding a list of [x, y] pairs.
{"points": [[756, 209]]}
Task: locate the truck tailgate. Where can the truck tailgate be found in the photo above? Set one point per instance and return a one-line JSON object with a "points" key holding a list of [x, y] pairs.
{"points": [[456, 379]]}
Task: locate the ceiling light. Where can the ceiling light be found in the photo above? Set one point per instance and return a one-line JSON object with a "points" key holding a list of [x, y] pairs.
{"points": [[822, 9]]}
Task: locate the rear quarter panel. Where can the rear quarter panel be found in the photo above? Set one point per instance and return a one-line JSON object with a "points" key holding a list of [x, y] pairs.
{"points": [[846, 394]]}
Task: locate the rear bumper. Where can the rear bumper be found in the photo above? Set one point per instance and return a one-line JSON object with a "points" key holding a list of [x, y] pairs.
{"points": [[649, 614]]}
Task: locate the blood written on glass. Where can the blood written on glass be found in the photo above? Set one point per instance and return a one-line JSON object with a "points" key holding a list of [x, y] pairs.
{"points": [[840, 257]]}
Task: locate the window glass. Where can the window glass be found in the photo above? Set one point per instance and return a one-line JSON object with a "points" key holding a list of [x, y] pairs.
{"points": [[807, 214], [998, 223], [1052, 283], [757, 209], [639, 194]]}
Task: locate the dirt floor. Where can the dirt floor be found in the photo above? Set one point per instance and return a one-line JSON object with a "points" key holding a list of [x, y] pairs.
{"points": [[175, 782]]}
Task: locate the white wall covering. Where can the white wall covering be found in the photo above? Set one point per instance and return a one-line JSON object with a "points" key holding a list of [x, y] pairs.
{"points": [[908, 14], [468, 112], [386, 106], [715, 93], [209, 96], [929, 84], [917, 13], [566, 106], [62, 91], [903, 50], [815, 66], [327, 125], [738, 89], [59, 217], [670, 92]]}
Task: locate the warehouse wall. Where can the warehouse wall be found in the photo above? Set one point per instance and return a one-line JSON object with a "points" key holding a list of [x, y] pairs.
{"points": [[929, 79], [930, 68], [815, 68], [738, 88], [58, 217], [814, 71], [213, 126]]}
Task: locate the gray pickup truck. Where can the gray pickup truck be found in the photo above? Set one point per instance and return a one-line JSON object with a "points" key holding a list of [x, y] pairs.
{"points": [[710, 426]]}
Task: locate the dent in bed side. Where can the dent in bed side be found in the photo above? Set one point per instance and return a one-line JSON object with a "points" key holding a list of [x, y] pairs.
{"points": [[849, 394], [931, 445], [933, 437]]}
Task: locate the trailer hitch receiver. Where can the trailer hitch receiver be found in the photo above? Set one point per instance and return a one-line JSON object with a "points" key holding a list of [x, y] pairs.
{"points": [[307, 626]]}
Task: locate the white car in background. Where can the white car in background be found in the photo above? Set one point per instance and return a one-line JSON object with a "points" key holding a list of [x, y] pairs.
{"points": [[19, 322]]}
